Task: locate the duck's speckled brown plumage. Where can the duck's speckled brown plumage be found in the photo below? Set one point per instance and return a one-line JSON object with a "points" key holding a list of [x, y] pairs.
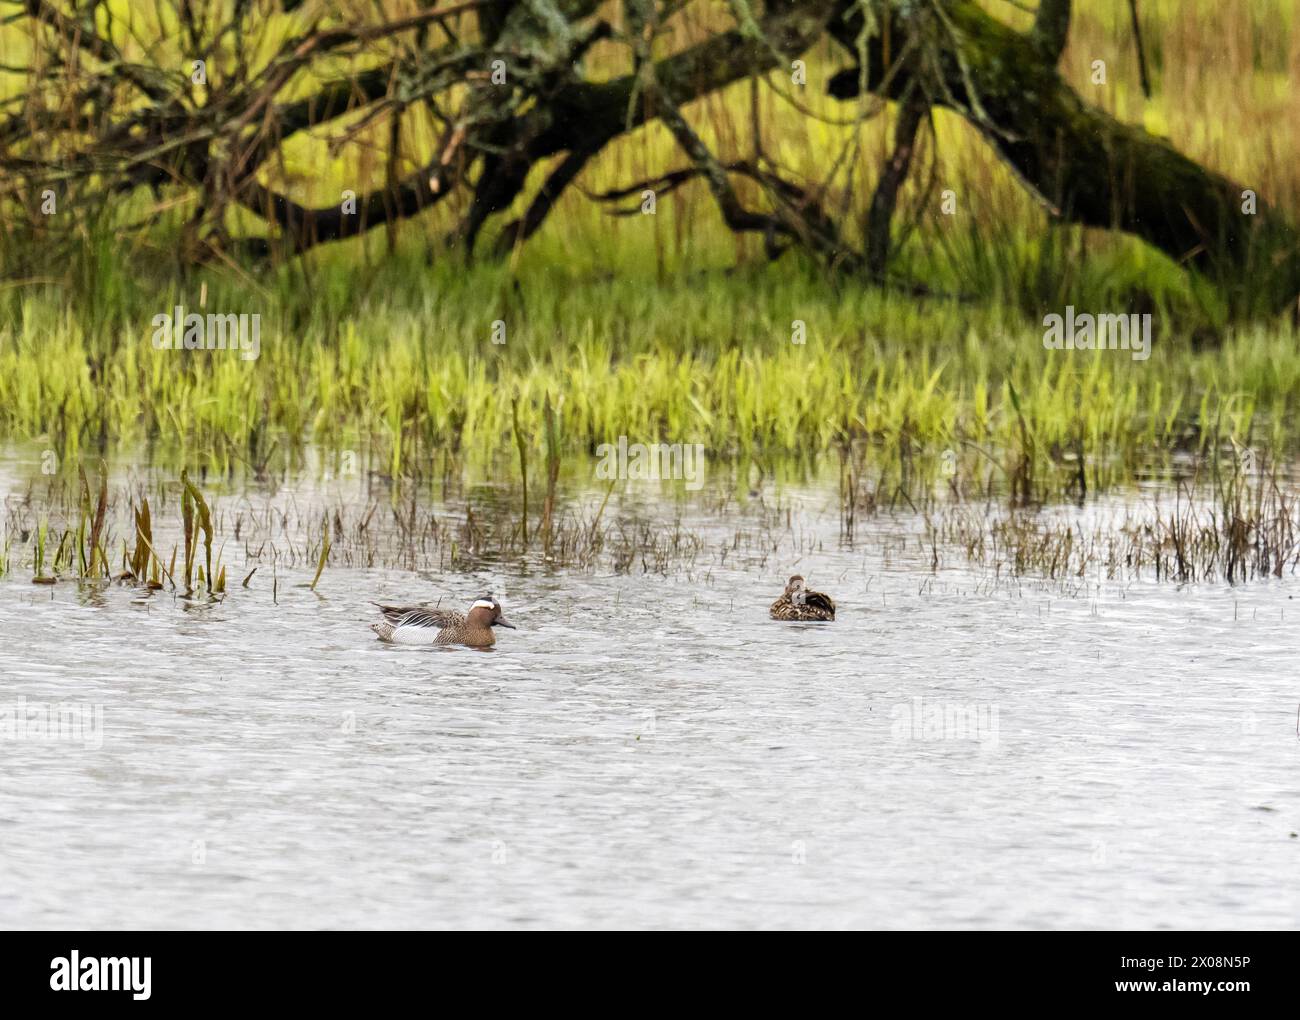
{"points": [[799, 604], [427, 625]]}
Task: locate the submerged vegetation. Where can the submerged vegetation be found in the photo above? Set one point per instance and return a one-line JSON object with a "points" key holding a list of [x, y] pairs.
{"points": [[81, 518], [166, 534], [1241, 529], [1230, 519]]}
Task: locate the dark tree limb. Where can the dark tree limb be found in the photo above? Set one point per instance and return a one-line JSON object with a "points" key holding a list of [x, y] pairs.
{"points": [[1143, 74], [302, 227], [593, 114], [518, 231], [911, 112], [1051, 29], [805, 219]]}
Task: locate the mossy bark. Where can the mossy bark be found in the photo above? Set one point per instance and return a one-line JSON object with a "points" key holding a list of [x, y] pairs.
{"points": [[1089, 168]]}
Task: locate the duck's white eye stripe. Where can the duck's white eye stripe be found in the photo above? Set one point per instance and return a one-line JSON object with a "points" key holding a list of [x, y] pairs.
{"points": [[483, 604]]}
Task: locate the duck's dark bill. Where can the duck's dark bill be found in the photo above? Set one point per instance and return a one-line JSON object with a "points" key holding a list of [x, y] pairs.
{"points": [[501, 621]]}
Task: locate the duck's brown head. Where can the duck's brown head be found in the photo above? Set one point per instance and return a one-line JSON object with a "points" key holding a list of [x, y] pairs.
{"points": [[795, 584], [486, 612]]}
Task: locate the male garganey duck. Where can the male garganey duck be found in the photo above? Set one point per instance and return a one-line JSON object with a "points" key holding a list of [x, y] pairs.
{"points": [[424, 625], [800, 604]]}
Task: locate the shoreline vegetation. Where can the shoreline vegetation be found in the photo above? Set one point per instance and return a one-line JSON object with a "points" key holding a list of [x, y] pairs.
{"points": [[761, 365], [154, 531]]}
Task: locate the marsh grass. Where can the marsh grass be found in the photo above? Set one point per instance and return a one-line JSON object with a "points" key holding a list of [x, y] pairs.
{"points": [[404, 372], [83, 518]]}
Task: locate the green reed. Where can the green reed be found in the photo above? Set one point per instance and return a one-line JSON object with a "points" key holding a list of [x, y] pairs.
{"points": [[412, 370]]}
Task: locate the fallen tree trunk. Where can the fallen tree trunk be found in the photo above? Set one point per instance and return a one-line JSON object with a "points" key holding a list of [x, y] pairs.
{"points": [[1089, 168]]}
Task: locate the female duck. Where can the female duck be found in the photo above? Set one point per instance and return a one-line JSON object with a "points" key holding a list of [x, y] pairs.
{"points": [[799, 604]]}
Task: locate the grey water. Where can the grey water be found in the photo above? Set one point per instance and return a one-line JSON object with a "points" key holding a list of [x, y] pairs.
{"points": [[648, 749]]}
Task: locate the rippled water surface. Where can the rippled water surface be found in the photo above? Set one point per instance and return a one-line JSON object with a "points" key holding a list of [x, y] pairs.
{"points": [[652, 750]]}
